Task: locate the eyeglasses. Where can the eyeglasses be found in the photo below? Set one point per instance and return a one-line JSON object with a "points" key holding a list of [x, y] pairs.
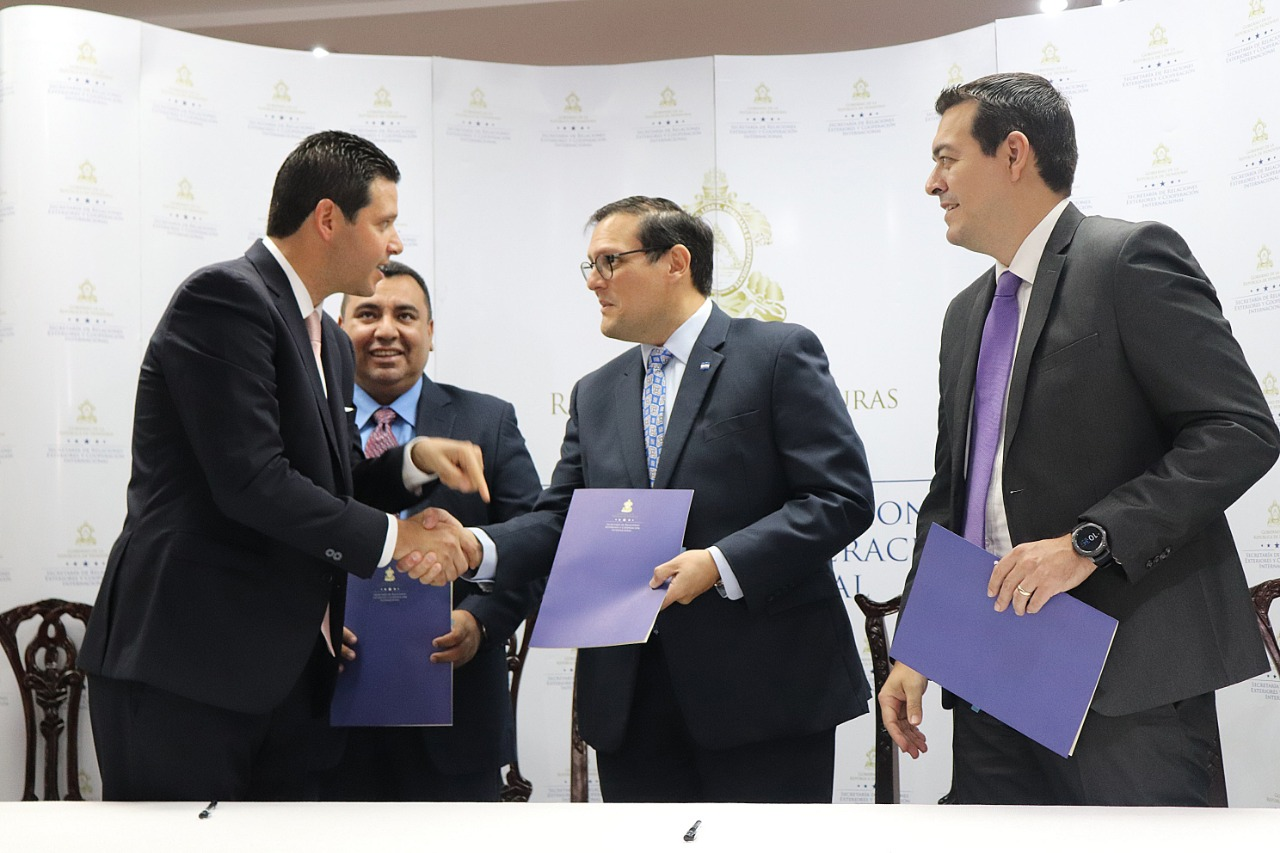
{"points": [[604, 264]]}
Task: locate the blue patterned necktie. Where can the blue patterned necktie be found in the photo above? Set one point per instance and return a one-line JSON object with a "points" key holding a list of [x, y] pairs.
{"points": [[655, 408], [995, 361]]}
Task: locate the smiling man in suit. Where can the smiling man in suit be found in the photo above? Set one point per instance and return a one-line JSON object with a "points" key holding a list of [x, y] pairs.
{"points": [[1096, 420], [210, 648], [393, 331], [737, 693]]}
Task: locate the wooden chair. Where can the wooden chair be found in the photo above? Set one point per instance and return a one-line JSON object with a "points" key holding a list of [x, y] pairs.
{"points": [[886, 779], [518, 789], [577, 753], [47, 677], [1263, 595]]}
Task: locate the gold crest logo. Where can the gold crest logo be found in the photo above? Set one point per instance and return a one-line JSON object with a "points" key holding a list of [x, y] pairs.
{"points": [[749, 293], [477, 99], [762, 95], [86, 55], [861, 90], [1273, 514], [184, 77], [88, 174], [389, 576], [382, 98], [1256, 8], [1049, 54], [280, 92], [954, 75], [627, 506], [667, 97], [1260, 132], [84, 535], [1159, 36], [1161, 156], [1264, 259], [86, 292], [87, 413], [1270, 385], [572, 103], [184, 190]]}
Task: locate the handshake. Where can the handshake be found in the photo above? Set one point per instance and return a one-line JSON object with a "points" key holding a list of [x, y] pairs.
{"points": [[434, 548]]}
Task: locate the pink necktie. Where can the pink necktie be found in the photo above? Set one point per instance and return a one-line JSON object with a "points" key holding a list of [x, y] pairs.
{"points": [[313, 332], [382, 438]]}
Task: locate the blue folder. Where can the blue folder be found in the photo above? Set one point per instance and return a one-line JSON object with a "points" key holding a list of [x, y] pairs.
{"points": [[392, 681], [1035, 673]]}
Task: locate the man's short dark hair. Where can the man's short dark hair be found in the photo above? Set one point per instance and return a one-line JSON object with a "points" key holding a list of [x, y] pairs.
{"points": [[331, 164], [664, 224], [1028, 103], [391, 269]]}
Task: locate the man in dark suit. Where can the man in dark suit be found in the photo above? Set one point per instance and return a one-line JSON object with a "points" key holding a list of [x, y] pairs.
{"points": [[210, 645], [392, 332], [737, 693], [1099, 460]]}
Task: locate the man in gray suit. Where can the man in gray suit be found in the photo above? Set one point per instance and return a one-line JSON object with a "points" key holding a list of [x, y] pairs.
{"points": [[1114, 419]]}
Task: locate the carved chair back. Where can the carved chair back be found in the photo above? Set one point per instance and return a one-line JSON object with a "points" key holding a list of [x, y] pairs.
{"points": [[48, 681], [886, 779]]}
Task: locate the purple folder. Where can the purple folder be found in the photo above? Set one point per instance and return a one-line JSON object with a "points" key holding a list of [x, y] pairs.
{"points": [[1035, 673], [392, 681], [598, 593]]}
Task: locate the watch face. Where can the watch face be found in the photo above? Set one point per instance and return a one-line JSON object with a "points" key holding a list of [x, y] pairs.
{"points": [[1088, 539]]}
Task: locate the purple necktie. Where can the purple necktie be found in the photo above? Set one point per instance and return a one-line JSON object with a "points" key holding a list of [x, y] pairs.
{"points": [[995, 360], [382, 438]]}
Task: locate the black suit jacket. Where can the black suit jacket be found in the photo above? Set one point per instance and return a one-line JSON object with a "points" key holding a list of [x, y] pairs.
{"points": [[482, 736], [241, 522], [1130, 405], [760, 433]]}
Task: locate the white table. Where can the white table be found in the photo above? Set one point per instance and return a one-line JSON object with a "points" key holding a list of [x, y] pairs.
{"points": [[604, 828]]}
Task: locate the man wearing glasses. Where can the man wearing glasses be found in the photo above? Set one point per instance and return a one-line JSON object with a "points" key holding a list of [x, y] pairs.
{"points": [[737, 693]]}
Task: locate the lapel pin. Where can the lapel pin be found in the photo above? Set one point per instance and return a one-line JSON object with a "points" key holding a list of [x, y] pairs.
{"points": [[706, 365]]}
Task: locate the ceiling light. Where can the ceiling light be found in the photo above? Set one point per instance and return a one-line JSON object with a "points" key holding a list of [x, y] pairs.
{"points": [[1050, 6], [319, 52]]}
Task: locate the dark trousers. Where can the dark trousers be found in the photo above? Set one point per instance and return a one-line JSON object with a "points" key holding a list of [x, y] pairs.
{"points": [[659, 761], [394, 765], [156, 745], [1160, 757]]}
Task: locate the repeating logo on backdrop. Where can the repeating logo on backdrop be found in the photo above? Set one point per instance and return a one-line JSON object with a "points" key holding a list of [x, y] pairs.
{"points": [[1159, 36], [1049, 54], [1257, 8], [183, 216], [81, 561], [86, 54], [572, 103], [477, 101], [382, 98], [183, 77], [739, 228], [955, 75]]}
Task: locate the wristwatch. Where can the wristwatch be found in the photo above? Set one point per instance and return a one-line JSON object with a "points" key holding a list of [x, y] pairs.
{"points": [[1090, 540]]}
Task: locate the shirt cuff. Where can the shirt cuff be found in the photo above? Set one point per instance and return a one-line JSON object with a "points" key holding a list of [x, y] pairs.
{"points": [[414, 477], [389, 546], [728, 580], [484, 573]]}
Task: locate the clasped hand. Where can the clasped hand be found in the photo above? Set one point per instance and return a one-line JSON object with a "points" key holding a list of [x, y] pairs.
{"points": [[434, 548]]}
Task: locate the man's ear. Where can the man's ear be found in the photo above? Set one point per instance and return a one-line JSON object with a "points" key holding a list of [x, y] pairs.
{"points": [[1021, 155], [324, 218], [678, 260]]}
